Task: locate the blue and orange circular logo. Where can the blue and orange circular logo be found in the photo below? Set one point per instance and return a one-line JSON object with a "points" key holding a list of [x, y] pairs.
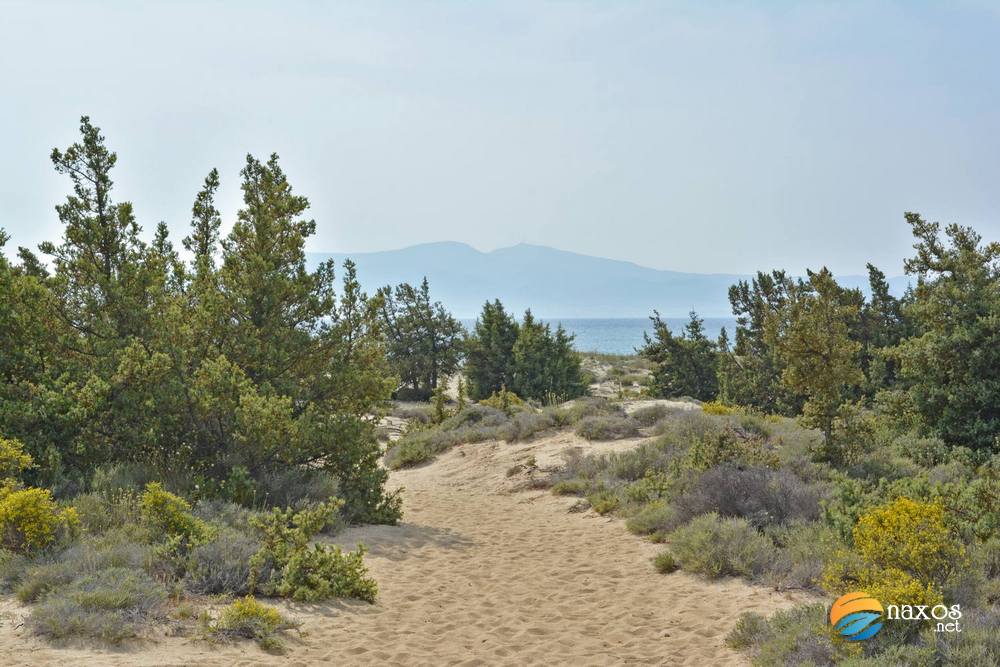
{"points": [[856, 616]]}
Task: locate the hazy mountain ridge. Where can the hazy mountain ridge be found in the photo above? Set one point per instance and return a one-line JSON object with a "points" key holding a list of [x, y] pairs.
{"points": [[553, 283]]}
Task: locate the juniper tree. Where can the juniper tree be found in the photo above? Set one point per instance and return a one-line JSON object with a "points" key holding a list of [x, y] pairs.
{"points": [[951, 362], [819, 357], [424, 341], [685, 365], [489, 364]]}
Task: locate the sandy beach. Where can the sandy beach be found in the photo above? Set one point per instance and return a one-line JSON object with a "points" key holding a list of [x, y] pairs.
{"points": [[484, 570]]}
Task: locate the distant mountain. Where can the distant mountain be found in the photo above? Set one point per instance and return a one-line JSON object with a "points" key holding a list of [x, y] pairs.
{"points": [[553, 283]]}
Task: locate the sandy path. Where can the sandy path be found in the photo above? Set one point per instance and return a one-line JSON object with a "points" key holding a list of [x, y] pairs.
{"points": [[481, 573]]}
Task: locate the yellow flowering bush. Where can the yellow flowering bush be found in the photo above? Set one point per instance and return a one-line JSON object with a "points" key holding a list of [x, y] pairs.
{"points": [[170, 514], [717, 408], [30, 520], [13, 459], [909, 536]]}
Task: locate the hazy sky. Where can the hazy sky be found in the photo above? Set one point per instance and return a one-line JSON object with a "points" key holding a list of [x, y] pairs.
{"points": [[697, 136]]}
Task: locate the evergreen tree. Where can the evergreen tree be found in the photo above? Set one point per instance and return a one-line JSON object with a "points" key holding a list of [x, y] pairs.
{"points": [[755, 380], [489, 351], [951, 362], [545, 365], [819, 357], [685, 365], [883, 328], [424, 341]]}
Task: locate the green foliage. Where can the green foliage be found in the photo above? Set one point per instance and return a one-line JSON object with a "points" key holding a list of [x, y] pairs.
{"points": [[812, 338], [439, 402], [529, 358], [685, 365], [424, 342], [302, 571], [950, 363], [218, 371]]}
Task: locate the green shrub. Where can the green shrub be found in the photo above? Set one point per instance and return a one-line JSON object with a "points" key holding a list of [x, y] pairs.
{"points": [[803, 551], [301, 571], [110, 605], [248, 619], [718, 547], [607, 428], [665, 563], [655, 517], [750, 630], [570, 487], [30, 520], [604, 501]]}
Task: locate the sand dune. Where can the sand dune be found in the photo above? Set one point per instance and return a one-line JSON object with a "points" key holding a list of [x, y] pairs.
{"points": [[483, 572]]}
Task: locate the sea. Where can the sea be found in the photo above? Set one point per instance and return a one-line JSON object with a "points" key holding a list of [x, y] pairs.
{"points": [[624, 335]]}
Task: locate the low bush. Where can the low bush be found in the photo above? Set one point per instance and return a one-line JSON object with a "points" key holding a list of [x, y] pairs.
{"points": [[12, 569], [248, 619], [222, 565], [797, 636], [665, 563], [977, 644], [760, 495], [603, 501], [607, 428], [570, 487], [802, 555], [110, 606], [655, 517], [718, 547], [41, 578], [650, 414], [296, 487], [117, 548]]}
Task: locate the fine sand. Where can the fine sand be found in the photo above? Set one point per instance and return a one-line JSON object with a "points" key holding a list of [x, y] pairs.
{"points": [[484, 570]]}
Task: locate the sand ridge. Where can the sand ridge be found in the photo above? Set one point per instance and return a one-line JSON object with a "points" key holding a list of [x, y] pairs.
{"points": [[483, 572]]}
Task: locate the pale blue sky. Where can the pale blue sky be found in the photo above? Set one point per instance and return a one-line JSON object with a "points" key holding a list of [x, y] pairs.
{"points": [[713, 137]]}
